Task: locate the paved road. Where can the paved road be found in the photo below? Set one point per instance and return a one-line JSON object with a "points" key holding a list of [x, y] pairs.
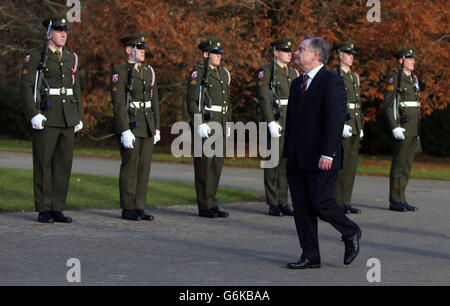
{"points": [[249, 248]]}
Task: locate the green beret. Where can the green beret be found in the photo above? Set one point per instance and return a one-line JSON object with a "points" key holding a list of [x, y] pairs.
{"points": [[284, 44], [347, 47], [59, 22], [215, 44], [137, 40], [406, 52]]}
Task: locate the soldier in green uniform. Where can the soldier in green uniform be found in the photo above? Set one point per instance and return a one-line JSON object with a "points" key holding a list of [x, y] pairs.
{"points": [[214, 107], [273, 85], [134, 94], [53, 106], [353, 127], [402, 110]]}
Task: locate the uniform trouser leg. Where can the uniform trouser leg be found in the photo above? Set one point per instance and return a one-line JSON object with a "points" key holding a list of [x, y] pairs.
{"points": [[346, 176], [134, 173], [143, 175], [312, 198], [275, 180], [52, 164], [207, 177], [402, 160]]}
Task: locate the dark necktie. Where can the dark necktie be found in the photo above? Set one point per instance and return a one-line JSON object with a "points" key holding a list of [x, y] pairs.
{"points": [[58, 54], [304, 84]]}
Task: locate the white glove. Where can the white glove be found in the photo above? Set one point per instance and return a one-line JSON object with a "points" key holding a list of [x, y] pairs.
{"points": [[361, 134], [157, 137], [228, 131], [37, 122], [78, 127], [203, 130], [347, 131], [127, 139], [399, 133], [275, 129]]}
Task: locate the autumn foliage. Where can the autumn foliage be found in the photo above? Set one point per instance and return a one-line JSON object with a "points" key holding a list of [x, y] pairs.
{"points": [[247, 26]]}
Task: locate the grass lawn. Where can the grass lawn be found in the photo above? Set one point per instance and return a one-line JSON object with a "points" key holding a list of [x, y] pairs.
{"points": [[94, 191], [424, 167]]}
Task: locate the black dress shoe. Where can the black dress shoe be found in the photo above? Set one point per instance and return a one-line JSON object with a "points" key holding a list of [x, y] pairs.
{"points": [[395, 206], [348, 209], [221, 213], [304, 264], [146, 217], [286, 210], [409, 207], [351, 247], [45, 217], [130, 214], [207, 213], [59, 217], [275, 210]]}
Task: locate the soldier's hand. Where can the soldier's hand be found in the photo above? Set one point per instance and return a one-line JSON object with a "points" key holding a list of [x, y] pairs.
{"points": [[275, 129], [157, 137], [398, 133], [127, 139], [78, 127], [203, 130], [37, 122], [347, 131]]}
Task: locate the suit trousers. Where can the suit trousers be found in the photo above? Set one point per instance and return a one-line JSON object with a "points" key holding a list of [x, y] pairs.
{"points": [[402, 160], [312, 198], [52, 165], [346, 176], [135, 172]]}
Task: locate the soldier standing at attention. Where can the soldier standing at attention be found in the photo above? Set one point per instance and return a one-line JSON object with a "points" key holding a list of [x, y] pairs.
{"points": [[273, 84], [51, 95], [209, 84], [136, 122], [353, 127], [402, 110]]}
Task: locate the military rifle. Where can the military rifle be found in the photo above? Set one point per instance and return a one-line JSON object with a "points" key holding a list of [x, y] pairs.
{"points": [[41, 87], [128, 90], [204, 99], [403, 118], [272, 89]]}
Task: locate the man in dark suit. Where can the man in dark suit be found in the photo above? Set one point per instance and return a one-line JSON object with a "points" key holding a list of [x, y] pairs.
{"points": [[317, 109]]}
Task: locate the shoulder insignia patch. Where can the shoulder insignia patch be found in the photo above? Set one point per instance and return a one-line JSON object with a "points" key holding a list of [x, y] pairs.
{"points": [[193, 82], [391, 80], [261, 74], [25, 71], [194, 74], [390, 88], [115, 78], [27, 58]]}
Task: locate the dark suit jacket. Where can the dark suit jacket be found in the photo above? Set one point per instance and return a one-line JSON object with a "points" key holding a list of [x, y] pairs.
{"points": [[314, 124]]}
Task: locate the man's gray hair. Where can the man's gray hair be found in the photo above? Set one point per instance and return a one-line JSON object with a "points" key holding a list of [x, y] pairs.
{"points": [[319, 44]]}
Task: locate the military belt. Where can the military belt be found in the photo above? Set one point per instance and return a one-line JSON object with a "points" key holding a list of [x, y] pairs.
{"points": [[282, 102], [60, 91], [410, 103], [147, 104], [216, 108], [353, 105]]}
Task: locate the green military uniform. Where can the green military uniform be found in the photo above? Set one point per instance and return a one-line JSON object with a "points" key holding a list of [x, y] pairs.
{"points": [[273, 104], [404, 113], [209, 169], [52, 145], [141, 116], [346, 176]]}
